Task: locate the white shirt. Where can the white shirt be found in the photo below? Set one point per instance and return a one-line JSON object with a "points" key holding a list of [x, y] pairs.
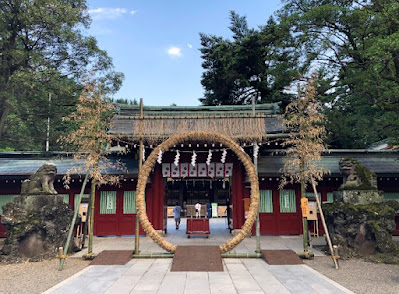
{"points": [[198, 207]]}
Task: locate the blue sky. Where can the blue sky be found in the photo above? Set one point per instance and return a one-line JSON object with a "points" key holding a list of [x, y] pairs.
{"points": [[155, 43]]}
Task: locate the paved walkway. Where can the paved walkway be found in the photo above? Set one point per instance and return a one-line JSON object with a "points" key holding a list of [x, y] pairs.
{"points": [[240, 275], [219, 235]]}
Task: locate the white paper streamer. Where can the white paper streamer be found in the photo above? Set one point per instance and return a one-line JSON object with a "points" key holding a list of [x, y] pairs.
{"points": [[224, 154], [160, 157], [209, 158], [177, 158], [193, 158]]}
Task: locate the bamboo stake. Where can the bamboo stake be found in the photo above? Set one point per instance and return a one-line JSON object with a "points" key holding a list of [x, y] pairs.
{"points": [[257, 226], [91, 219], [137, 229], [93, 189], [333, 252], [304, 218], [75, 214]]}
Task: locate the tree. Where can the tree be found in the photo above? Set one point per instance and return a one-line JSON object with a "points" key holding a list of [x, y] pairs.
{"points": [[259, 62], [26, 125], [92, 118], [357, 42], [304, 147], [43, 50], [124, 101]]}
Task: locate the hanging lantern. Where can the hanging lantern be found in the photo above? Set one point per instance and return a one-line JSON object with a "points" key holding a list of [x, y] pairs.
{"points": [[143, 153]]}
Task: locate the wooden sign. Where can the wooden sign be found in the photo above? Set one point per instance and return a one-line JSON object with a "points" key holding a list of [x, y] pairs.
{"points": [[312, 210], [305, 207]]}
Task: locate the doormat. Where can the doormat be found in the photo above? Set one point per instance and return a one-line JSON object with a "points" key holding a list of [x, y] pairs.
{"points": [[281, 257], [197, 259], [113, 257]]}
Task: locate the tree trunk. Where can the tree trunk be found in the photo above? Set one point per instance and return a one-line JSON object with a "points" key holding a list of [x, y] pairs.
{"points": [[3, 118]]}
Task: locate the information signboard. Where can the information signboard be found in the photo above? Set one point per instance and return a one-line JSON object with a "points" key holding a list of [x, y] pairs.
{"points": [[214, 210], [305, 207]]}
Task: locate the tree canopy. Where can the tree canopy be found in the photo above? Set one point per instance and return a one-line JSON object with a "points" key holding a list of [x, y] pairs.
{"points": [[256, 62], [355, 44], [44, 51], [352, 45]]}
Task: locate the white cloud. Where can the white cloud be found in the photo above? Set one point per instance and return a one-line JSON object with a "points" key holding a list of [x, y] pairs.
{"points": [[189, 45], [102, 13], [175, 52]]}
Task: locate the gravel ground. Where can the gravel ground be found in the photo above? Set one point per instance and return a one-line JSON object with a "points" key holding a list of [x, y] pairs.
{"points": [[359, 276], [37, 277]]}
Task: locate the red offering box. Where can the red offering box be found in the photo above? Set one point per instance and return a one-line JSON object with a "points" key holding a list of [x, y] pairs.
{"points": [[197, 226]]}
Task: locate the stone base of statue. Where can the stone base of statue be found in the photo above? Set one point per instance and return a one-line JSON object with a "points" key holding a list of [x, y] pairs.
{"points": [[359, 196], [363, 230], [37, 226]]}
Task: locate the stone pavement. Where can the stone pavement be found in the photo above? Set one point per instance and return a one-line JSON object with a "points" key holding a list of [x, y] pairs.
{"points": [[240, 275], [219, 235]]}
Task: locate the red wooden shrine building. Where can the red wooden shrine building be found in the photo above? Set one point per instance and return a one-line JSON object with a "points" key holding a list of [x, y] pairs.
{"points": [[216, 175]]}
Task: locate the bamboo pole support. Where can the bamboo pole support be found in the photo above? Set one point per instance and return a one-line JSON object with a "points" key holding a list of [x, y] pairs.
{"points": [[75, 214], [241, 255], [304, 218], [334, 253], [257, 226], [91, 219], [137, 229], [96, 151]]}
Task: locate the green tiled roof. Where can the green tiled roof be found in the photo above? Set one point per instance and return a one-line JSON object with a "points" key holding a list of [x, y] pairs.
{"points": [[24, 166], [383, 163], [270, 163]]}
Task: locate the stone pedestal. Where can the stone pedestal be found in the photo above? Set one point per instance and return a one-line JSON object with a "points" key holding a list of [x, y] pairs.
{"points": [[363, 230], [37, 225], [361, 197]]}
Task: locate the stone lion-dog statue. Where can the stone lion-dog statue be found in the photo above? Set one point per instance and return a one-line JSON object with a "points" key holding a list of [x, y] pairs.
{"points": [[356, 175], [42, 181]]}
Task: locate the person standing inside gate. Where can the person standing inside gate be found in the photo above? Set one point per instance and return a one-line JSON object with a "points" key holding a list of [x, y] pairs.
{"points": [[177, 212], [209, 209], [197, 210]]}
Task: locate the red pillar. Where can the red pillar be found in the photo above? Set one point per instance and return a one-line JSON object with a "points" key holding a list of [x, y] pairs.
{"points": [[155, 199], [238, 196]]}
